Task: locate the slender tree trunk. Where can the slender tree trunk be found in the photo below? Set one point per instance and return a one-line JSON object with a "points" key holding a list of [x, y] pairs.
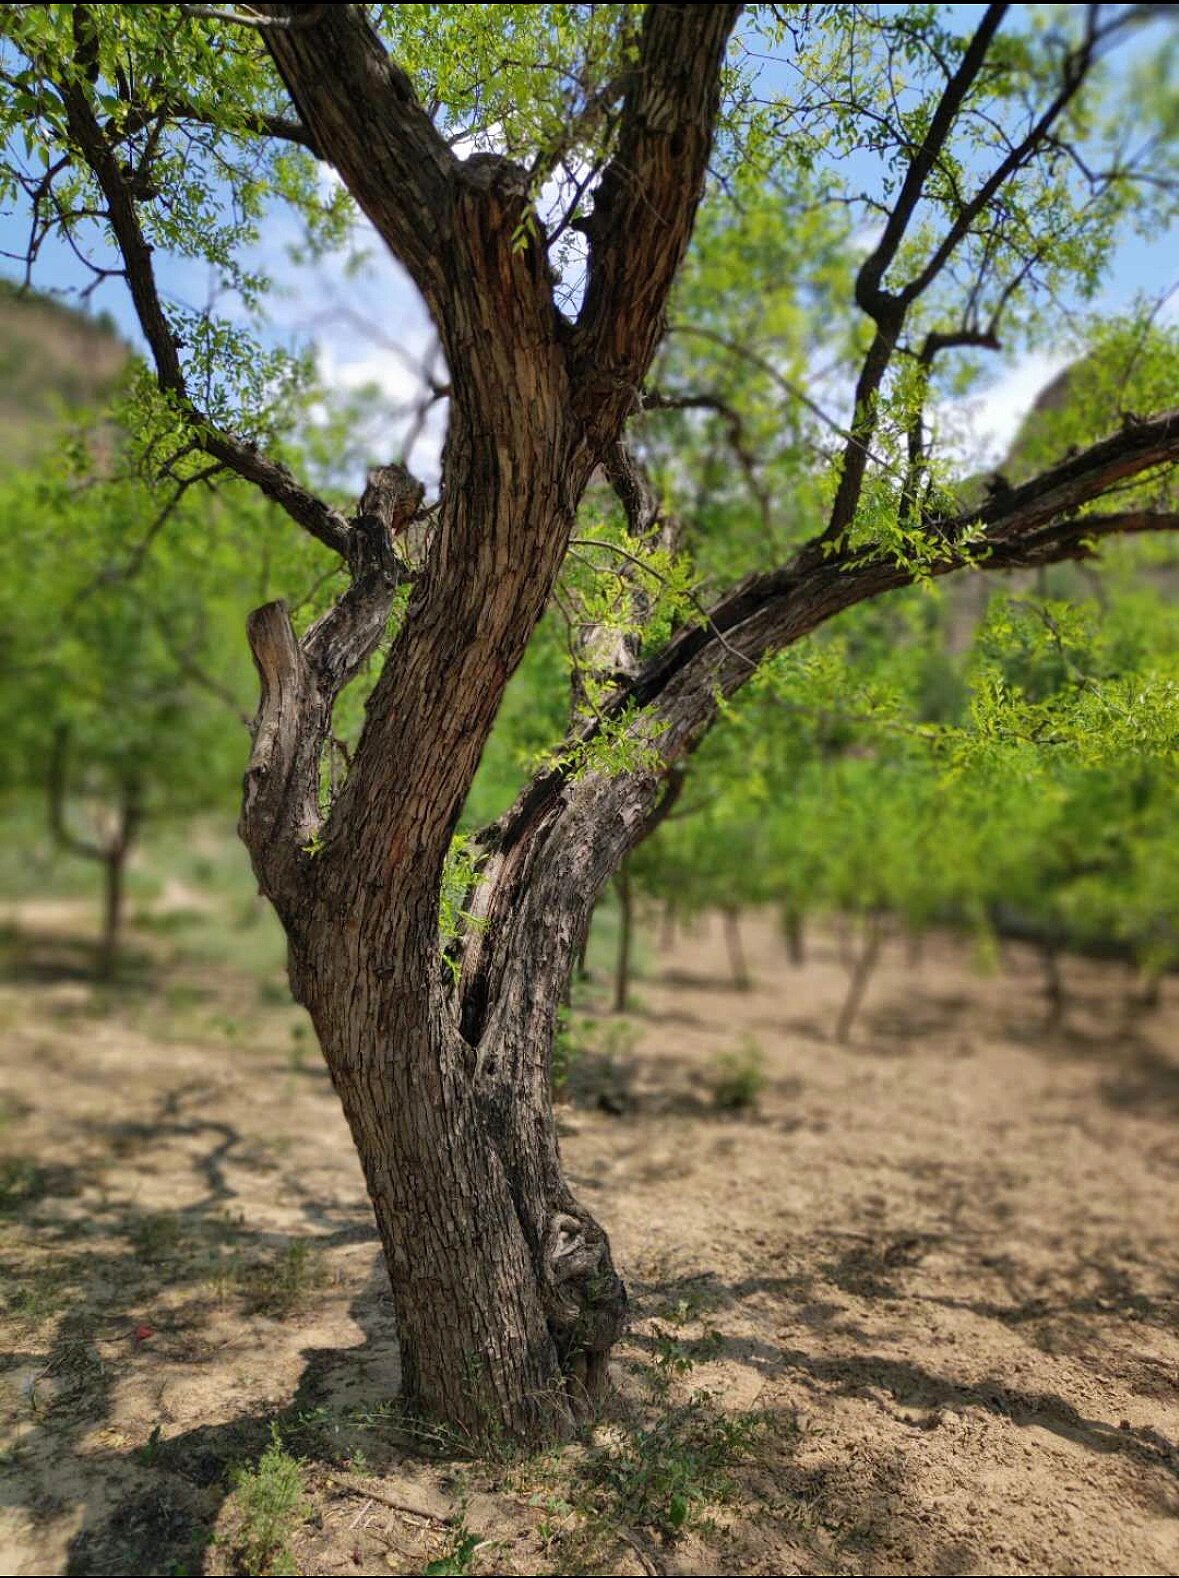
{"points": [[1055, 995], [794, 936], [667, 928], [861, 973], [845, 938], [1143, 994], [1149, 994], [111, 855], [114, 870], [622, 966], [115, 876], [738, 967]]}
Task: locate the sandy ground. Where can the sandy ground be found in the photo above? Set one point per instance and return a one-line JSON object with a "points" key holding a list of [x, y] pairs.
{"points": [[939, 1266]]}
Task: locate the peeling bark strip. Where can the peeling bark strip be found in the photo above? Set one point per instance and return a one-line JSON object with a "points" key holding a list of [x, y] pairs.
{"points": [[507, 1299]]}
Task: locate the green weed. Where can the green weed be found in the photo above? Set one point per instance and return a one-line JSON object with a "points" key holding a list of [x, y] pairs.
{"points": [[737, 1079], [271, 1504]]}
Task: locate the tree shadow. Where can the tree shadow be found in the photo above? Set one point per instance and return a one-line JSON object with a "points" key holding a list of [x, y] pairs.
{"points": [[49, 958], [922, 1014], [131, 1295], [833, 1514], [912, 1386], [1146, 1082], [1143, 1077], [625, 1087], [165, 1519], [694, 981]]}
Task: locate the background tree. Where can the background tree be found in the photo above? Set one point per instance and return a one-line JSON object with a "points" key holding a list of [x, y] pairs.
{"points": [[999, 179], [130, 694]]}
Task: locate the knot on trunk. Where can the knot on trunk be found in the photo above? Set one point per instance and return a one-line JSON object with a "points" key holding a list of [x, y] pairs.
{"points": [[585, 1300], [392, 497]]}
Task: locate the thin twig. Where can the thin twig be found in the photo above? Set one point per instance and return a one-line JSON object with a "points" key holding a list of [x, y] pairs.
{"points": [[389, 1501], [594, 542]]}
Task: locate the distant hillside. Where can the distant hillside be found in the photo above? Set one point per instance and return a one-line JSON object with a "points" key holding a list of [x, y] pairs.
{"points": [[53, 360], [1020, 462], [969, 594]]}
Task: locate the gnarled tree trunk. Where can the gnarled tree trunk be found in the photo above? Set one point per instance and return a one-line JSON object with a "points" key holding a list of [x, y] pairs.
{"points": [[506, 1296]]}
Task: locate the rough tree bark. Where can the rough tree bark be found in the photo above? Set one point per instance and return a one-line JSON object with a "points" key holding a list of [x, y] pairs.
{"points": [[507, 1299], [506, 1295]]}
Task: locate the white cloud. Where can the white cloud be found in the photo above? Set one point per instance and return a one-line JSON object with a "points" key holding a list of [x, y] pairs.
{"points": [[328, 178], [343, 364], [399, 388], [866, 237], [978, 429]]}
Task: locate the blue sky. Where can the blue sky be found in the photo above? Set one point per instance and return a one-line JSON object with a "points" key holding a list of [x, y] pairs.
{"points": [[373, 329]]}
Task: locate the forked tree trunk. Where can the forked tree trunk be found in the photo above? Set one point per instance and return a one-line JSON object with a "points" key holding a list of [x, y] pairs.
{"points": [[506, 1297], [112, 854]]}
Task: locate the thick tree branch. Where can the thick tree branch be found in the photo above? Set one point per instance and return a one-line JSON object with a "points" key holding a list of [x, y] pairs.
{"points": [[1036, 523], [870, 296], [364, 118], [510, 481], [528, 420], [567, 836], [301, 681], [645, 205], [339, 644], [280, 802]]}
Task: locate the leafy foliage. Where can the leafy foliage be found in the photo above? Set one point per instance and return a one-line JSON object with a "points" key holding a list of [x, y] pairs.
{"points": [[271, 1503]]}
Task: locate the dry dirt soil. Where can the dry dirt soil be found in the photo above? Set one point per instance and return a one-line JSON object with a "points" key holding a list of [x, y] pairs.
{"points": [[914, 1311]]}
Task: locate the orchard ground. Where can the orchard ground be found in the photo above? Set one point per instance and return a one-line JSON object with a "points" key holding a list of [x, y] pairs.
{"points": [[908, 1305]]}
